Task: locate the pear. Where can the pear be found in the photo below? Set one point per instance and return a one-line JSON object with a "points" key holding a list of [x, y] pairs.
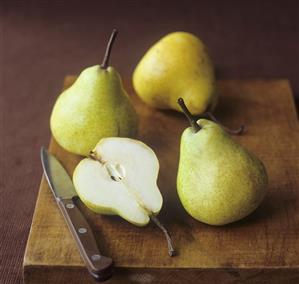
{"points": [[178, 65], [218, 181], [120, 178], [95, 106]]}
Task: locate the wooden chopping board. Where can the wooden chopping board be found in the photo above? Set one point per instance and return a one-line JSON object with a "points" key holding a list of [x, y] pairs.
{"points": [[262, 248]]}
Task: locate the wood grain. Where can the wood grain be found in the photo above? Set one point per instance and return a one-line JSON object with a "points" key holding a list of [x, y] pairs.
{"points": [[262, 247]]}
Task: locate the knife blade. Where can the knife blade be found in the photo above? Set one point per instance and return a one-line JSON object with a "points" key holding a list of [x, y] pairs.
{"points": [[61, 185]]}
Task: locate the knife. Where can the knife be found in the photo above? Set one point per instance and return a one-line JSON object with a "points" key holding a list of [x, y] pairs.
{"points": [[99, 266]]}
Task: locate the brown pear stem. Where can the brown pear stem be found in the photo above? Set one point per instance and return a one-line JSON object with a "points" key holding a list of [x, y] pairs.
{"points": [[93, 156], [105, 62], [196, 127], [171, 250], [238, 131]]}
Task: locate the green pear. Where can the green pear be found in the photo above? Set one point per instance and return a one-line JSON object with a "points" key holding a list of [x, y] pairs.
{"points": [[218, 181], [178, 65], [120, 178], [95, 106]]}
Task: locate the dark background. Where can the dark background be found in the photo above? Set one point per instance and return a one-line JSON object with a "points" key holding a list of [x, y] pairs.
{"points": [[42, 41]]}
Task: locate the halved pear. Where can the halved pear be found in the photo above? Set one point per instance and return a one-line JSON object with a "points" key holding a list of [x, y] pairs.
{"points": [[120, 178]]}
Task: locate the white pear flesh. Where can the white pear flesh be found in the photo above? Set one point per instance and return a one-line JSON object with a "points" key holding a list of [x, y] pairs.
{"points": [[123, 181]]}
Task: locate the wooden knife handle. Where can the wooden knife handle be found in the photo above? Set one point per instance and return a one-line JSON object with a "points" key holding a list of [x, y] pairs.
{"points": [[99, 266]]}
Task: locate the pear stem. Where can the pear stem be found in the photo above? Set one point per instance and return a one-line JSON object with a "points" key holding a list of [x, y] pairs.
{"points": [[238, 131], [171, 250], [93, 156], [105, 62], [196, 127]]}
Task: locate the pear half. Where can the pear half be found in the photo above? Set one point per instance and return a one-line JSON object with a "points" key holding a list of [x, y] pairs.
{"points": [[120, 178]]}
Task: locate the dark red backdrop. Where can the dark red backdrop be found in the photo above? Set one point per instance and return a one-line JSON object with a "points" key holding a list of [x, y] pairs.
{"points": [[42, 41]]}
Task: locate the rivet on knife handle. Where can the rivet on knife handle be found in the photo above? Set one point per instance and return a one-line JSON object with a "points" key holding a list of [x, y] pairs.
{"points": [[98, 265]]}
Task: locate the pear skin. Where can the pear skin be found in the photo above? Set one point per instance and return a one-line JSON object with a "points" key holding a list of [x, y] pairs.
{"points": [[176, 66], [94, 107], [219, 181]]}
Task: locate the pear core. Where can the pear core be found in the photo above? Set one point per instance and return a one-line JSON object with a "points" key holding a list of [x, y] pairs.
{"points": [[116, 171]]}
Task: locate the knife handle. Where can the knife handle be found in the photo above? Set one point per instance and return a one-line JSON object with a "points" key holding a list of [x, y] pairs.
{"points": [[99, 266]]}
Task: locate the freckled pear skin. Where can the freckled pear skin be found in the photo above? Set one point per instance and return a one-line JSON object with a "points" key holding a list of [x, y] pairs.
{"points": [[219, 181], [178, 65], [94, 107]]}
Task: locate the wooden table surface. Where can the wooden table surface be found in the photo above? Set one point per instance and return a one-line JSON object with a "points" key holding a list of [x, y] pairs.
{"points": [[41, 41], [261, 248]]}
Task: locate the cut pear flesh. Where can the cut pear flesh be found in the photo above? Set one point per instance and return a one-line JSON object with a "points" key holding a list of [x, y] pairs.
{"points": [[120, 178]]}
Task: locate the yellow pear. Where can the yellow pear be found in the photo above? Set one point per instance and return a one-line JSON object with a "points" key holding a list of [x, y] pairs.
{"points": [[176, 66]]}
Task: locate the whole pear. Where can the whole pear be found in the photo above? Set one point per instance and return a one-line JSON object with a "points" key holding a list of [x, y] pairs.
{"points": [[95, 106], [219, 181], [178, 65]]}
